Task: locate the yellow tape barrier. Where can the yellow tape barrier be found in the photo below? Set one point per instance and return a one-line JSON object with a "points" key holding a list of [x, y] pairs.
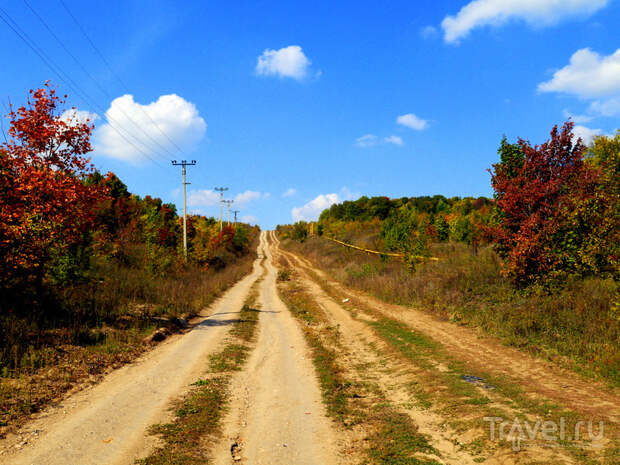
{"points": [[399, 255]]}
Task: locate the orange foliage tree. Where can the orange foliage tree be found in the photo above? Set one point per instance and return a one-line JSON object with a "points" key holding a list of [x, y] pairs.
{"points": [[46, 207], [557, 214]]}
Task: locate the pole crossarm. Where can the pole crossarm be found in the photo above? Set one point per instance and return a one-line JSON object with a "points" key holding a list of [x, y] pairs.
{"points": [[228, 203]]}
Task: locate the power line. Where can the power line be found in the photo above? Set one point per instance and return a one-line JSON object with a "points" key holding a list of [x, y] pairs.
{"points": [[107, 64], [66, 79], [99, 86]]}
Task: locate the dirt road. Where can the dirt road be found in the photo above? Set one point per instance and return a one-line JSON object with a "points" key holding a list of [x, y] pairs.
{"points": [[276, 413], [536, 376], [107, 424], [277, 416], [543, 382]]}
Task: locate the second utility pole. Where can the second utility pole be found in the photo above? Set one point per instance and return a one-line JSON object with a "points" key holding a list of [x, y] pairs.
{"points": [[221, 190], [183, 164]]}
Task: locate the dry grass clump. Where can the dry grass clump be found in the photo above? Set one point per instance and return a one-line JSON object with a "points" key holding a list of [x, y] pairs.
{"points": [[580, 321]]}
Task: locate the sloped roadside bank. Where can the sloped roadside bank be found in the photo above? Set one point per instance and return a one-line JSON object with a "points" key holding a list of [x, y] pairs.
{"points": [[56, 371], [107, 423]]}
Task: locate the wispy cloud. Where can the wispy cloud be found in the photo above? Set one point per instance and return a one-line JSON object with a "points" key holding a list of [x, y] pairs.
{"points": [[429, 32], [537, 13], [289, 192], [208, 197], [249, 219], [367, 140], [412, 121], [396, 140], [203, 198], [248, 196]]}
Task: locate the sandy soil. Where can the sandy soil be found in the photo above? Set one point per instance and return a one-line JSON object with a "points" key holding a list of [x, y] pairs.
{"points": [[107, 424], [277, 416]]}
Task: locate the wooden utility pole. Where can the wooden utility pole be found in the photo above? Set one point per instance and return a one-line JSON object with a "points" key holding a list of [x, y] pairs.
{"points": [[228, 204], [183, 164], [235, 213], [221, 190]]}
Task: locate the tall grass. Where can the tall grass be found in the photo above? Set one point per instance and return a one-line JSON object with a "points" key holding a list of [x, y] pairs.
{"points": [[578, 323], [96, 325]]}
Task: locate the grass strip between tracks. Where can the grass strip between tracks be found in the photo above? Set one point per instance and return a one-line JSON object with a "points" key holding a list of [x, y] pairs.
{"points": [[389, 436], [198, 415]]}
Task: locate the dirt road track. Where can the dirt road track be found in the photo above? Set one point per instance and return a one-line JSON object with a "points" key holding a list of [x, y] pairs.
{"points": [[106, 424], [537, 377], [277, 416]]}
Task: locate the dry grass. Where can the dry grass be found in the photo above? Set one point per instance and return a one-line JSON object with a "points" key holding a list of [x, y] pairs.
{"points": [[110, 323], [578, 325]]}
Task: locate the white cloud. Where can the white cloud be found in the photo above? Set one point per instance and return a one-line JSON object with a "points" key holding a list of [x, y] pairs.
{"points": [[209, 198], [588, 75], [246, 197], [170, 117], [367, 140], [412, 121], [606, 107], [312, 210], [577, 118], [289, 192], [428, 32], [203, 198], [537, 13], [287, 62], [249, 219], [587, 134], [73, 115], [396, 140]]}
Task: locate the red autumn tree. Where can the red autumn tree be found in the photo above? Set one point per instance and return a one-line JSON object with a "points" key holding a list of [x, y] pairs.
{"points": [[535, 187], [46, 208]]}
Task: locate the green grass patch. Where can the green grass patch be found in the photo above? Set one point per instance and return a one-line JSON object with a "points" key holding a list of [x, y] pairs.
{"points": [[198, 416]]}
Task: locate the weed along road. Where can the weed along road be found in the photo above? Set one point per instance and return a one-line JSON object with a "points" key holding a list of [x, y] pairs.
{"points": [[107, 424]]}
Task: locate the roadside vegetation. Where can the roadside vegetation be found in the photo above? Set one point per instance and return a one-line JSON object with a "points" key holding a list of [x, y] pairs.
{"points": [[536, 265], [87, 269], [197, 420]]}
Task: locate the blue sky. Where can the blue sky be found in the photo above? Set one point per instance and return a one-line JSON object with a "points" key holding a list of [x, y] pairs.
{"points": [[297, 106]]}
